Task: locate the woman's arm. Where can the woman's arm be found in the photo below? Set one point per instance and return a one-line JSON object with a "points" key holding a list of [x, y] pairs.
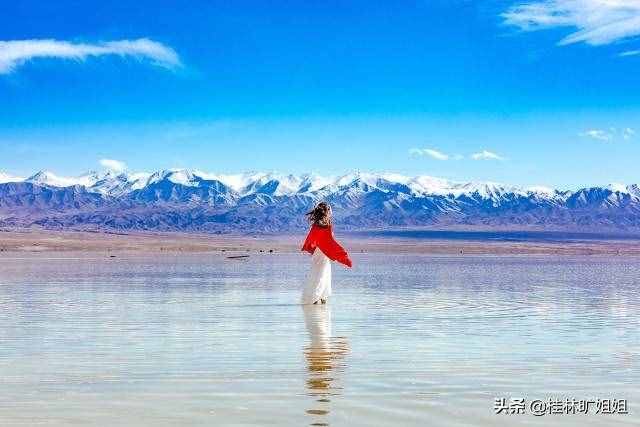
{"points": [[333, 249], [309, 244]]}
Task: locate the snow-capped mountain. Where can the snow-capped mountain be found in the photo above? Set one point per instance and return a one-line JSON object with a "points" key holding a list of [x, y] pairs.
{"points": [[107, 182], [112, 184], [183, 199]]}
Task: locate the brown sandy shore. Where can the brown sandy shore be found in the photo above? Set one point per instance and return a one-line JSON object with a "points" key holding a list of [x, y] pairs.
{"points": [[52, 242]]}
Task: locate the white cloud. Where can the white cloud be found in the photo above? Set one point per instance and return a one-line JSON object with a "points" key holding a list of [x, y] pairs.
{"points": [[438, 155], [610, 134], [595, 22], [435, 154], [599, 134], [114, 165], [17, 52], [486, 155], [628, 133], [630, 53]]}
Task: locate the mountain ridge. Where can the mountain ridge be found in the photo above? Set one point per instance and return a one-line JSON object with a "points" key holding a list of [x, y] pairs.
{"points": [[192, 200]]}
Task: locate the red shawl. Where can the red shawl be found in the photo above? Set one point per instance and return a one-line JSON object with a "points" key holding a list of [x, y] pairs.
{"points": [[322, 237]]}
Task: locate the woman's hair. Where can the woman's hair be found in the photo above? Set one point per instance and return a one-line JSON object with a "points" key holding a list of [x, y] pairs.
{"points": [[320, 215]]}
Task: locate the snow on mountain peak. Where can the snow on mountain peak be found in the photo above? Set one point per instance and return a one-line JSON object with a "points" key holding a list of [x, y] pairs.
{"points": [[45, 177], [111, 183], [185, 177], [618, 188], [541, 190], [5, 177]]}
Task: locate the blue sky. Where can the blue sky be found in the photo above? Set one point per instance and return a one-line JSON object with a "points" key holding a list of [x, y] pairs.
{"points": [[533, 92]]}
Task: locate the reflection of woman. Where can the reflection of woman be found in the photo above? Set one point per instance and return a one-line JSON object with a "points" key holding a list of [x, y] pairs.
{"points": [[323, 354]]}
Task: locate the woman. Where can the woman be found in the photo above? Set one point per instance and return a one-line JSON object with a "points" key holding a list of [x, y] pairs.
{"points": [[323, 249]]}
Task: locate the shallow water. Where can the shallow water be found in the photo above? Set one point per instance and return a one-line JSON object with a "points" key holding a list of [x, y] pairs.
{"points": [[405, 340]]}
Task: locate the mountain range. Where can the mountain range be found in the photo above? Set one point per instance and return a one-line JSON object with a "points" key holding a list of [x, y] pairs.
{"points": [[191, 200]]}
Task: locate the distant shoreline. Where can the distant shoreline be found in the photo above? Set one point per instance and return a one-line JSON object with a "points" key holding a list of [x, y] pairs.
{"points": [[458, 243], [513, 235]]}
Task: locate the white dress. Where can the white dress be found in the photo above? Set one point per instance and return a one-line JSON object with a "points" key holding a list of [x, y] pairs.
{"points": [[319, 279]]}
